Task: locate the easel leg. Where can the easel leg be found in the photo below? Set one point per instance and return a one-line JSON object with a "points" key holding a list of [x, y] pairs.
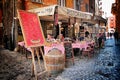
{"points": [[73, 58], [41, 52], [38, 56], [32, 69], [43, 56], [33, 63]]}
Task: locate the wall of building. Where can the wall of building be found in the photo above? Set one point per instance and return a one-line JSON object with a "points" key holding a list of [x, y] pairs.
{"points": [[96, 7], [111, 22], [8, 13], [31, 5], [117, 16], [70, 3], [83, 5]]}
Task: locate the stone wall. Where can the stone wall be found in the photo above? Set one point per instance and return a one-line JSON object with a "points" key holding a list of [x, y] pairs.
{"points": [[118, 18]]}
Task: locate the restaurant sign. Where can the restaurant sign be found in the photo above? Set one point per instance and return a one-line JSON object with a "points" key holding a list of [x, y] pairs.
{"points": [[78, 14], [31, 29], [74, 13], [44, 11]]}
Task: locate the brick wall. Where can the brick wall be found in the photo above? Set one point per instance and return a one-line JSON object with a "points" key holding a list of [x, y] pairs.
{"points": [[70, 3], [31, 5]]}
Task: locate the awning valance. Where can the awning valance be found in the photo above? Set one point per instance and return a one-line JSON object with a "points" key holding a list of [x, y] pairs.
{"points": [[68, 12], [44, 11]]}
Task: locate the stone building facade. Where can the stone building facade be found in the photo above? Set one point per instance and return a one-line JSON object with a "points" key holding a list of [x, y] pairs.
{"points": [[115, 11]]}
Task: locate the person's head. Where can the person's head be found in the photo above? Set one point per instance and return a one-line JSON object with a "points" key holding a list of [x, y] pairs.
{"points": [[49, 36], [86, 34], [61, 36]]}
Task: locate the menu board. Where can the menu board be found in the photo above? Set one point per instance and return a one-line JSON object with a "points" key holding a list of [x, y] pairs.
{"points": [[68, 50], [31, 29]]}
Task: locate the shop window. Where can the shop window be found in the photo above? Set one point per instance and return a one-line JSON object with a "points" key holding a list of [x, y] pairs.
{"points": [[62, 2], [77, 4], [37, 1], [86, 6]]}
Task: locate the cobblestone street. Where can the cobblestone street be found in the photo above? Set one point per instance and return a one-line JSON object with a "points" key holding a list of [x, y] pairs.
{"points": [[105, 65]]}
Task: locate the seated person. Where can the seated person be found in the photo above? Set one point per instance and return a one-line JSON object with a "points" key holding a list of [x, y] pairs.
{"points": [[87, 36], [81, 38], [74, 38], [61, 37], [87, 39], [49, 37]]}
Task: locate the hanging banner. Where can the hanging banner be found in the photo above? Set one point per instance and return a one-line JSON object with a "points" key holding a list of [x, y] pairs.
{"points": [[31, 29]]}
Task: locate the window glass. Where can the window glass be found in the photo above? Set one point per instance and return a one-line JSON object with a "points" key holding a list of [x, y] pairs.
{"points": [[38, 1], [62, 2]]}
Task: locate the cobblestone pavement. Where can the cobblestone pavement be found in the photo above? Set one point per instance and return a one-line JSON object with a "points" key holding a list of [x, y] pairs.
{"points": [[15, 66], [105, 65]]}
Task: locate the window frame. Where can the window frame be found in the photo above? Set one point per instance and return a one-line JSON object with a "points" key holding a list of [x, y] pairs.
{"points": [[77, 4], [62, 3], [37, 1]]}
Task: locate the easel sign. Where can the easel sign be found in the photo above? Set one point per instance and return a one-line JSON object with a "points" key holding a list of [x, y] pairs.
{"points": [[33, 36], [31, 29]]}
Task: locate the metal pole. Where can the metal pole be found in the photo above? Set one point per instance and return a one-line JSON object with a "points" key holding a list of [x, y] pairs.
{"points": [[14, 28]]}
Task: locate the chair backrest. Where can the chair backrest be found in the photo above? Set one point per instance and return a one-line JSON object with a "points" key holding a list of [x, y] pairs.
{"points": [[67, 39]]}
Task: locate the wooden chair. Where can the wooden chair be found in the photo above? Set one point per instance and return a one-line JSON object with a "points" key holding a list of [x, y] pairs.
{"points": [[86, 52]]}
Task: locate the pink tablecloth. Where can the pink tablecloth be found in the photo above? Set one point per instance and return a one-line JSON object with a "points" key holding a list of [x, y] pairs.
{"points": [[58, 46], [80, 45], [22, 43]]}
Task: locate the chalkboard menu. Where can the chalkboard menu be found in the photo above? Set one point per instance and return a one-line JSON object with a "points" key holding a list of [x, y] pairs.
{"points": [[68, 50]]}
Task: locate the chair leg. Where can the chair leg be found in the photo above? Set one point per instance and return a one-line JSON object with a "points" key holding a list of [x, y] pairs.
{"points": [[86, 53]]}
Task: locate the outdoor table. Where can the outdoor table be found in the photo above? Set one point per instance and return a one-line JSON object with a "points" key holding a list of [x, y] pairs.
{"points": [[22, 43], [58, 46], [80, 45]]}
